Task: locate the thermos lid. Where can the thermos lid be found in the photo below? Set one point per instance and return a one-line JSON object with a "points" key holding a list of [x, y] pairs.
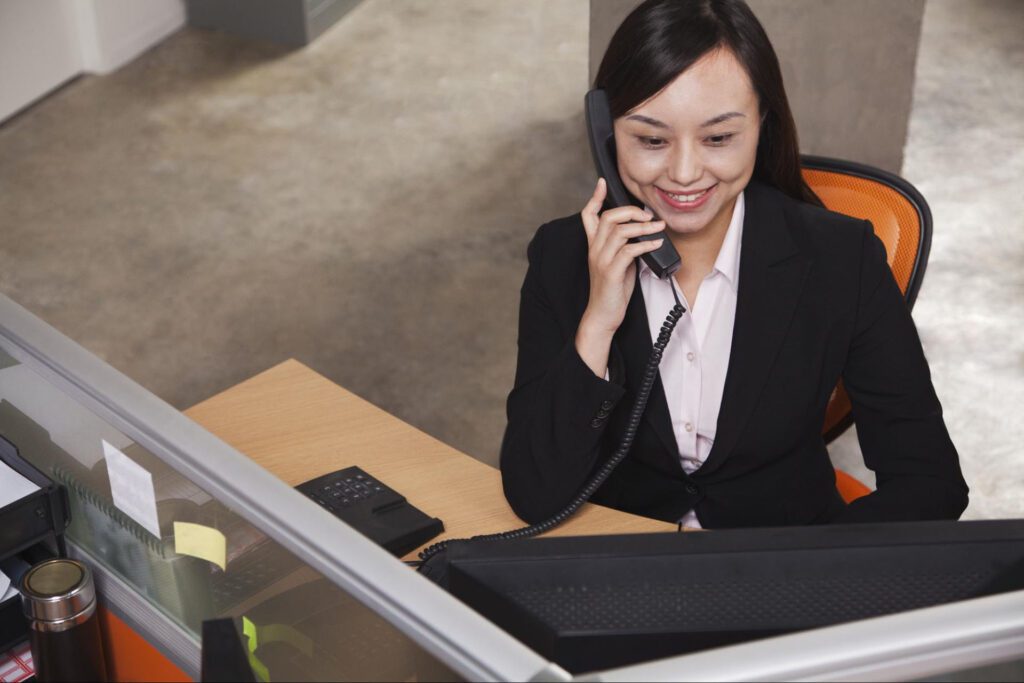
{"points": [[57, 590]]}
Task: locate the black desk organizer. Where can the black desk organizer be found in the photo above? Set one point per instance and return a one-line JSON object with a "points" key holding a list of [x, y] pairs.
{"points": [[32, 527]]}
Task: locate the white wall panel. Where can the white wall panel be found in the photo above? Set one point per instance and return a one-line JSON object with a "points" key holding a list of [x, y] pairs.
{"points": [[39, 50], [117, 31], [44, 43]]}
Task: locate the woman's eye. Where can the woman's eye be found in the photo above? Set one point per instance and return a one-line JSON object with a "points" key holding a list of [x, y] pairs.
{"points": [[651, 142], [719, 140]]}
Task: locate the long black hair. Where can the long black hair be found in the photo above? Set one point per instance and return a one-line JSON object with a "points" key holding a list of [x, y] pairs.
{"points": [[661, 39]]}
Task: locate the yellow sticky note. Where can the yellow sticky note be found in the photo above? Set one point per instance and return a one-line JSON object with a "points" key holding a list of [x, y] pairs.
{"points": [[201, 541], [249, 631]]}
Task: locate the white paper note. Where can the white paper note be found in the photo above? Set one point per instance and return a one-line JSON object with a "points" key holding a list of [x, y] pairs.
{"points": [[13, 486], [131, 487], [8, 589]]}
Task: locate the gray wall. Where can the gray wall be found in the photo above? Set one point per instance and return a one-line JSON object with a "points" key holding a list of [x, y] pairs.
{"points": [[848, 68]]}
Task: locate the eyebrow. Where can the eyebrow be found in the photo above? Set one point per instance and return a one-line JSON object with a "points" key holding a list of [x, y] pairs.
{"points": [[722, 118], [707, 124], [648, 120]]}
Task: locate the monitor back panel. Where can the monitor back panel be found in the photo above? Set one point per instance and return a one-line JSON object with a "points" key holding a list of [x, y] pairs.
{"points": [[595, 602]]}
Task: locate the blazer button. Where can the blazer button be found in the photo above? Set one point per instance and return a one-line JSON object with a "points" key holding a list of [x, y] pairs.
{"points": [[602, 413], [691, 489], [595, 423], [607, 405]]}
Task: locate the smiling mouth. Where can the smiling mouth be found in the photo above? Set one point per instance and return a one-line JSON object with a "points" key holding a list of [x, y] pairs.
{"points": [[686, 200]]}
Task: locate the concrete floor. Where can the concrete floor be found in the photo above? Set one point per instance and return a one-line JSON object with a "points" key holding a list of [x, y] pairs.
{"points": [[364, 206]]}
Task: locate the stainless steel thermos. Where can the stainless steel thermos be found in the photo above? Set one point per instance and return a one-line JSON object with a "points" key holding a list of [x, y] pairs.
{"points": [[59, 600]]}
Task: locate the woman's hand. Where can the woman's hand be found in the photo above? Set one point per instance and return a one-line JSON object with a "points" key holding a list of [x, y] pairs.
{"points": [[612, 261]]}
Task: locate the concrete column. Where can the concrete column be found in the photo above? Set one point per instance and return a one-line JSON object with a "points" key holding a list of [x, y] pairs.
{"points": [[289, 22], [848, 68]]}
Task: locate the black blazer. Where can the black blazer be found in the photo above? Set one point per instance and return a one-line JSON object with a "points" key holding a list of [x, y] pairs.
{"points": [[816, 302]]}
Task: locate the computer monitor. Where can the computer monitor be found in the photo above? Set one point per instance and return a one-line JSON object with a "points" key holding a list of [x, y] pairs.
{"points": [[596, 602]]}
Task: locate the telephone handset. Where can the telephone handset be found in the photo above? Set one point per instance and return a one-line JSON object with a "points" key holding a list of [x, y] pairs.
{"points": [[664, 260]]}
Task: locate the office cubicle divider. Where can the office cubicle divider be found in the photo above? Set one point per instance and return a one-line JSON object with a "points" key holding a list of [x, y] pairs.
{"points": [[452, 633], [147, 584]]}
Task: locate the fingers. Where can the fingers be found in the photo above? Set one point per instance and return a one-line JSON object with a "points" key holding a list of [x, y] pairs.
{"points": [[610, 239], [612, 220], [626, 214], [612, 263], [593, 207], [612, 257], [628, 231], [594, 222], [629, 253], [608, 233]]}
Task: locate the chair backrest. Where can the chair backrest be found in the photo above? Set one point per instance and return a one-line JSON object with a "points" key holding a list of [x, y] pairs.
{"points": [[902, 221]]}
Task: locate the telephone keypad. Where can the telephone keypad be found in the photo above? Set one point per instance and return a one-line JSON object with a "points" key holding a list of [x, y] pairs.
{"points": [[344, 488]]}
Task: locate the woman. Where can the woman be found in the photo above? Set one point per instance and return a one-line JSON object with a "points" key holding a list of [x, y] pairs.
{"points": [[783, 299]]}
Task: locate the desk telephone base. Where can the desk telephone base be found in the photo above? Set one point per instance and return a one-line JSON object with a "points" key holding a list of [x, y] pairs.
{"points": [[373, 509]]}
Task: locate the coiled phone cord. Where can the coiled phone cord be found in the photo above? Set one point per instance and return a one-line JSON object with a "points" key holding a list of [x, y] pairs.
{"points": [[595, 482]]}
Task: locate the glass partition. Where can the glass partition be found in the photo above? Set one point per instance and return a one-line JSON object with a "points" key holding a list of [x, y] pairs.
{"points": [[298, 625], [214, 547]]}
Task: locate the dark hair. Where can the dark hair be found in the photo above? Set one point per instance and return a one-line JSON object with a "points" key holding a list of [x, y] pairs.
{"points": [[661, 39]]}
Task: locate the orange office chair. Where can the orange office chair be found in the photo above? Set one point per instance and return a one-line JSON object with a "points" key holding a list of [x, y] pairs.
{"points": [[902, 221]]}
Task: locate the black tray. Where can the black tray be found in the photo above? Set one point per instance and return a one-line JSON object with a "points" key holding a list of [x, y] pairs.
{"points": [[40, 516], [32, 526]]}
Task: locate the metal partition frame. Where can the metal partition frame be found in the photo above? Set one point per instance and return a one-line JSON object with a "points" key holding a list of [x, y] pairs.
{"points": [[437, 622], [905, 646]]}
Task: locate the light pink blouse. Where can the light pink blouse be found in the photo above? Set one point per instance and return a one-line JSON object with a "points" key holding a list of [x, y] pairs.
{"points": [[697, 356]]}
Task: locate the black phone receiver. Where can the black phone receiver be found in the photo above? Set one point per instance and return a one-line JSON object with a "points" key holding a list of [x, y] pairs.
{"points": [[664, 261]]}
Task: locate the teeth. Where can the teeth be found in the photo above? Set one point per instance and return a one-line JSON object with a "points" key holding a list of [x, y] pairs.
{"points": [[685, 198]]}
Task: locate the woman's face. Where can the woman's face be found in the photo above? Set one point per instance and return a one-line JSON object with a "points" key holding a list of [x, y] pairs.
{"points": [[689, 151]]}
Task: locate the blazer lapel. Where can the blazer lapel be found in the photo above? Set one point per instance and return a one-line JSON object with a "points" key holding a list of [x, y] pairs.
{"points": [[772, 275], [634, 338]]}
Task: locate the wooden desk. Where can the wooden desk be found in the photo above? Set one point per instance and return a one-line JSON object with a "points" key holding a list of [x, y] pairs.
{"points": [[299, 425]]}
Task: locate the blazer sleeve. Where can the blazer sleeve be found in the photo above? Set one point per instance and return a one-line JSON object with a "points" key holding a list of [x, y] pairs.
{"points": [[557, 410], [899, 419]]}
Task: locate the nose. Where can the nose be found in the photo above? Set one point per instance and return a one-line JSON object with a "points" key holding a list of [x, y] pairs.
{"points": [[685, 166]]}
